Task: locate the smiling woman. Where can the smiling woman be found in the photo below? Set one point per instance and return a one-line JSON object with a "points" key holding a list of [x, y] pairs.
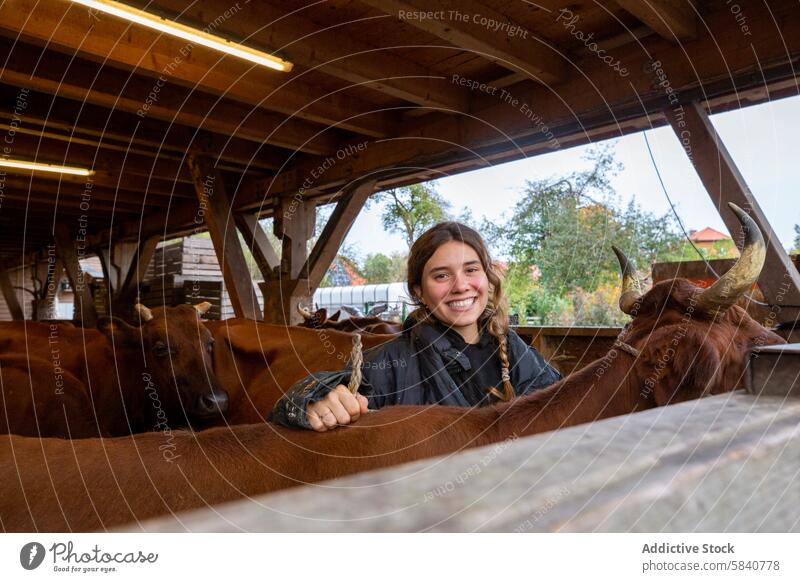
{"points": [[456, 349]]}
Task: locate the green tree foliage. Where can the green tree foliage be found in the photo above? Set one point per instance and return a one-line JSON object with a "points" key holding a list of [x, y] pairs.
{"points": [[379, 268], [796, 238], [411, 210], [565, 228]]}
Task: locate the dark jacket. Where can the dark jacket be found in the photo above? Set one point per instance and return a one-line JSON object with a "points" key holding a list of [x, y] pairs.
{"points": [[418, 367]]}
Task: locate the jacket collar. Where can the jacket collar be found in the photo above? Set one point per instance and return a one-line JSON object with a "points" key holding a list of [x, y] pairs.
{"points": [[429, 333]]}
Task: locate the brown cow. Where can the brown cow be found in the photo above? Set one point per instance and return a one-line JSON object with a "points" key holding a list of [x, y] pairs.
{"points": [[364, 325], [257, 362], [70, 382], [682, 343]]}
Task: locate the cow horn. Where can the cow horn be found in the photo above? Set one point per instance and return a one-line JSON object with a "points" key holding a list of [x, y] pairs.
{"points": [[203, 307], [304, 312], [144, 313], [740, 278], [631, 291]]}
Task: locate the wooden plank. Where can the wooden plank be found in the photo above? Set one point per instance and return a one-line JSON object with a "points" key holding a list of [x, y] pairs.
{"points": [[336, 229], [10, 295], [218, 218], [256, 240], [775, 371], [657, 470], [519, 53], [71, 29], [779, 280], [672, 20], [84, 302]]}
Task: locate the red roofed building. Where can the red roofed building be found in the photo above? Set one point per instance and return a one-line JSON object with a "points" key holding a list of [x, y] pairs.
{"points": [[718, 244]]}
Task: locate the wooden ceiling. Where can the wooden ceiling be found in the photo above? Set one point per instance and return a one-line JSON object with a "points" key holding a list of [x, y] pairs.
{"points": [[378, 90]]}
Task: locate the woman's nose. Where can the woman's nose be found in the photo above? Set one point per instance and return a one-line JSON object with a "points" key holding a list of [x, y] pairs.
{"points": [[461, 283]]}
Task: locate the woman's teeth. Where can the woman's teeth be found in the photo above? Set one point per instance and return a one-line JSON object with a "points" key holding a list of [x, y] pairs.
{"points": [[461, 304]]}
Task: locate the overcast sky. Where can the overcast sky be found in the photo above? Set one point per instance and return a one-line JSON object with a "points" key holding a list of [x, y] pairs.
{"points": [[764, 140]]}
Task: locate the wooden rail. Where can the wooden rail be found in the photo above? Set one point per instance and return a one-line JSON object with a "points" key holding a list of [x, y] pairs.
{"points": [[725, 463]]}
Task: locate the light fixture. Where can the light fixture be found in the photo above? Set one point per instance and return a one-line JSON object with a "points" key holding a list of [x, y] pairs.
{"points": [[37, 167], [187, 33]]}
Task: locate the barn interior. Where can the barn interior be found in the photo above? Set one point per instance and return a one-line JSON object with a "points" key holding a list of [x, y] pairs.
{"points": [[117, 137], [179, 138]]}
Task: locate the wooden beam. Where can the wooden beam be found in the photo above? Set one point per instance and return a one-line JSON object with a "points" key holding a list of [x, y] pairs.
{"points": [[70, 28], [673, 20], [218, 217], [84, 302], [84, 81], [597, 104], [68, 117], [48, 273], [259, 160], [293, 223], [334, 50], [256, 240], [519, 53], [335, 231], [132, 260], [10, 295], [779, 280]]}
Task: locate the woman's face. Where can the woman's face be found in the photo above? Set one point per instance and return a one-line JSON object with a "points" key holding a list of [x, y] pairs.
{"points": [[455, 288]]}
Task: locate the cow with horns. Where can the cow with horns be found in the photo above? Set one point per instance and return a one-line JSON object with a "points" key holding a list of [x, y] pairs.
{"points": [[364, 325], [69, 382], [683, 342]]}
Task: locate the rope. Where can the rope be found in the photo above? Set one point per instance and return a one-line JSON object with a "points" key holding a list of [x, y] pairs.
{"points": [[357, 359]]}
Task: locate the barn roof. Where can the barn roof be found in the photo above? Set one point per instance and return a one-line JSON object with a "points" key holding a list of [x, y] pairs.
{"points": [[388, 89]]}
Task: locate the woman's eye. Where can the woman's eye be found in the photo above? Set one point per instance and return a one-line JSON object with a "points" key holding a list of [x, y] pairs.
{"points": [[440, 277]]}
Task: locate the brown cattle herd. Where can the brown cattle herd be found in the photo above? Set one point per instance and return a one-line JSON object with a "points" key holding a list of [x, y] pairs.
{"points": [[131, 421]]}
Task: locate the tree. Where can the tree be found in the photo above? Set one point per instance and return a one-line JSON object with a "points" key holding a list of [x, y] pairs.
{"points": [[379, 268], [412, 210], [566, 228], [797, 238]]}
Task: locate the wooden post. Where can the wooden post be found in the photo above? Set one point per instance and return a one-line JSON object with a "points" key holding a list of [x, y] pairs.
{"points": [[293, 223], [256, 240], [127, 267], [300, 273], [10, 295], [48, 273], [779, 280], [336, 229], [218, 217], [84, 302]]}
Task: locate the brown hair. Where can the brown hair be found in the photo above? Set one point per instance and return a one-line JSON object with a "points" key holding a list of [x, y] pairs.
{"points": [[495, 317]]}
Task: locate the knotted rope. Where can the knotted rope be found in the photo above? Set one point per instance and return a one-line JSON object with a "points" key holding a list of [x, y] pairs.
{"points": [[357, 360]]}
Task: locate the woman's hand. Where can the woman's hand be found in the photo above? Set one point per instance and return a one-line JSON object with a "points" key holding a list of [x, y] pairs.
{"points": [[340, 406]]}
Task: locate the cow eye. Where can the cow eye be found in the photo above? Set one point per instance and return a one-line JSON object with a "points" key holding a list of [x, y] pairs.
{"points": [[210, 345], [160, 349]]}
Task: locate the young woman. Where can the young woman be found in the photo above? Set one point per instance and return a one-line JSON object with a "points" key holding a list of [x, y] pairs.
{"points": [[455, 349]]}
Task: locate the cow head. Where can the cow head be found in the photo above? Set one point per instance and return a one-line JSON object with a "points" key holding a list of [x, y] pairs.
{"points": [[314, 320], [693, 342], [177, 352]]}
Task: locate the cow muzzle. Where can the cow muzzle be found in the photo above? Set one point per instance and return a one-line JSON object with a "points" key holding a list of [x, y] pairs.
{"points": [[211, 404]]}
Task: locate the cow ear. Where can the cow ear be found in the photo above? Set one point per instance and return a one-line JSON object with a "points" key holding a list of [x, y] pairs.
{"points": [[118, 331]]}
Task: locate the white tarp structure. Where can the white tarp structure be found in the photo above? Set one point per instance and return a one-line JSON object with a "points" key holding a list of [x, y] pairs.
{"points": [[365, 297]]}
